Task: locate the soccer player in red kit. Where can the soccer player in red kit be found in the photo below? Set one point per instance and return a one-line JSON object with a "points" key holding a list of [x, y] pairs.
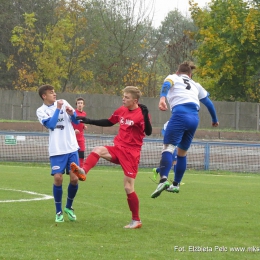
{"points": [[134, 123], [79, 129]]}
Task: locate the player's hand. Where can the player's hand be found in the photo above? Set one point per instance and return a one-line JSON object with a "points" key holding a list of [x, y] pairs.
{"points": [[144, 109], [215, 124], [77, 131], [162, 104], [83, 119], [59, 103], [69, 110]]}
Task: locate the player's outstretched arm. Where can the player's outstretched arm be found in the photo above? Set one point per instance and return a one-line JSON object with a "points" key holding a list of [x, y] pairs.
{"points": [[210, 106], [148, 127], [99, 122]]}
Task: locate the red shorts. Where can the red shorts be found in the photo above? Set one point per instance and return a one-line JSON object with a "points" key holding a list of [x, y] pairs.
{"points": [[81, 144], [127, 158]]}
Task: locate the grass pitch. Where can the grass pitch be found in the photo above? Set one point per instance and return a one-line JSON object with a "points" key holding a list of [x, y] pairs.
{"points": [[215, 216]]}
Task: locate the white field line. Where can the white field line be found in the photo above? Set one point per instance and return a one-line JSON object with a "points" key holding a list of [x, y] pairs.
{"points": [[42, 196]]}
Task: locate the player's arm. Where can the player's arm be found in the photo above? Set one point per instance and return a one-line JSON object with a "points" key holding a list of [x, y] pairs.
{"points": [[99, 122], [148, 127], [72, 113], [51, 122], [162, 104], [167, 84], [210, 106], [74, 118]]}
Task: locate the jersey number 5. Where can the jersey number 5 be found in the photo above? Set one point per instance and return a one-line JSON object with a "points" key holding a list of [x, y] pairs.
{"points": [[186, 81]]}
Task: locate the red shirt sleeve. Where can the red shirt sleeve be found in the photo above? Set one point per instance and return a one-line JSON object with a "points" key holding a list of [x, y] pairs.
{"points": [[80, 126]]}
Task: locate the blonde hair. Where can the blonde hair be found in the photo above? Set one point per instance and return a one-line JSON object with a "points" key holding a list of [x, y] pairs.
{"points": [[134, 91]]}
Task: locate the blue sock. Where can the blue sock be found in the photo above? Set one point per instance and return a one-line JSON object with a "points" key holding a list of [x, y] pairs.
{"points": [[180, 168], [57, 194], [165, 164], [72, 191]]}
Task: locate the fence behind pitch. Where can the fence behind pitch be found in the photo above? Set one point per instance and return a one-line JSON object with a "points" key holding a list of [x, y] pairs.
{"points": [[235, 157]]}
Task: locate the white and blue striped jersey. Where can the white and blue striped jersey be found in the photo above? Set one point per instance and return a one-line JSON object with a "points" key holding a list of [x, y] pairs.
{"points": [[62, 139]]}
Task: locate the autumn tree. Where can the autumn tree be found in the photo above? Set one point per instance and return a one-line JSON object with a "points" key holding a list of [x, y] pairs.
{"points": [[228, 48], [174, 38], [11, 15], [121, 28], [24, 62], [59, 55]]}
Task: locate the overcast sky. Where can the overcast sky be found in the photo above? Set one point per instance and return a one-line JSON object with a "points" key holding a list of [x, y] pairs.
{"points": [[163, 7]]}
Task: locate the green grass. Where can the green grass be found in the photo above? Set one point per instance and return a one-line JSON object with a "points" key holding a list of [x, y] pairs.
{"points": [[212, 210]]}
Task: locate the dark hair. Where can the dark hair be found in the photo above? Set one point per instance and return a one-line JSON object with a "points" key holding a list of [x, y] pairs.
{"points": [[80, 98], [43, 89], [186, 68]]}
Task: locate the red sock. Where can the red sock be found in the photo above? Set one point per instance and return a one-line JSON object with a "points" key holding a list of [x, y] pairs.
{"points": [[81, 162], [90, 161], [133, 203]]}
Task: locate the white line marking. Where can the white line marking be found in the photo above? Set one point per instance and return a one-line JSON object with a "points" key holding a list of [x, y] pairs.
{"points": [[43, 196]]}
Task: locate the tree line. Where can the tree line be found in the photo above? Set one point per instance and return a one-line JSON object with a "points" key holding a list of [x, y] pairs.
{"points": [[100, 46]]}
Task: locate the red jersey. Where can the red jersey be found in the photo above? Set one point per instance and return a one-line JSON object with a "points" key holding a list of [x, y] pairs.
{"points": [[131, 127], [80, 126]]}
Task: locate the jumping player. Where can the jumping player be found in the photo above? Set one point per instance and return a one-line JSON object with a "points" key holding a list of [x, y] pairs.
{"points": [[184, 96]]}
